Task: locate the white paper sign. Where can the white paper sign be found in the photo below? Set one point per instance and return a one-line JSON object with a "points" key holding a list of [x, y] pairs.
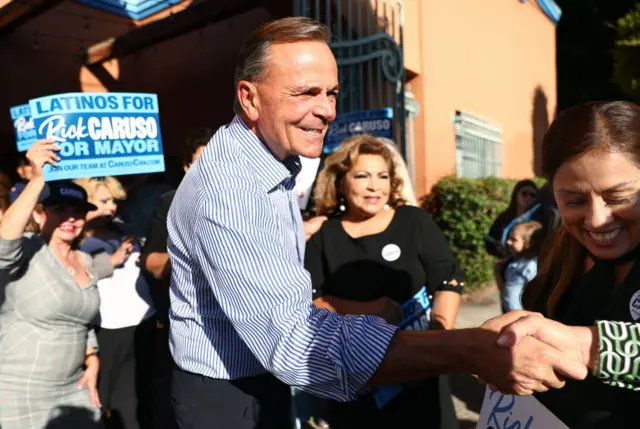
{"points": [[515, 412]]}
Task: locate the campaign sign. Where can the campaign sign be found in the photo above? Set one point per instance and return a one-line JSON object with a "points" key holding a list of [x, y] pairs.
{"points": [[100, 134], [501, 411], [416, 316], [375, 122], [23, 126]]}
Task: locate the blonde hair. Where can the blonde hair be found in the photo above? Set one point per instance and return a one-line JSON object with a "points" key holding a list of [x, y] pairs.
{"points": [[327, 194], [531, 245], [91, 185], [407, 192], [32, 225]]}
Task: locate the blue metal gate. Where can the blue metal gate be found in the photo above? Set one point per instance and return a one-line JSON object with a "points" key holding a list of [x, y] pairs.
{"points": [[367, 43]]}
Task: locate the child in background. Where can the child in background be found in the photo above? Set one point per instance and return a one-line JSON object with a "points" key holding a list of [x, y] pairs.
{"points": [[524, 242]]}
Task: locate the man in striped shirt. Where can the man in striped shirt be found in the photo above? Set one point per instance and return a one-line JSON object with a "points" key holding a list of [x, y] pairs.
{"points": [[243, 325]]}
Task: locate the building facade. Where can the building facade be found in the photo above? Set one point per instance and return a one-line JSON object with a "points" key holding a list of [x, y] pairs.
{"points": [[475, 95]]}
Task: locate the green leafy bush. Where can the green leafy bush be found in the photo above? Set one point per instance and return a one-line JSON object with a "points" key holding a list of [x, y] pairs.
{"points": [[464, 209]]}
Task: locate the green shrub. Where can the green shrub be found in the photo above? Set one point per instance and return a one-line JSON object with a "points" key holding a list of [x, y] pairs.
{"points": [[464, 209]]}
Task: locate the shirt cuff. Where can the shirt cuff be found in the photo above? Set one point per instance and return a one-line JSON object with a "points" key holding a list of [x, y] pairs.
{"points": [[92, 339], [367, 338], [446, 285], [10, 246], [618, 361], [102, 266]]}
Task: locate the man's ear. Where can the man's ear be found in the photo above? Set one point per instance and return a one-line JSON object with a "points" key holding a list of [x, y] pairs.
{"points": [[247, 94]]}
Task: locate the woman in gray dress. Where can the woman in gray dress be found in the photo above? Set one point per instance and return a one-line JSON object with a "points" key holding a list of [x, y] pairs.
{"points": [[48, 351]]}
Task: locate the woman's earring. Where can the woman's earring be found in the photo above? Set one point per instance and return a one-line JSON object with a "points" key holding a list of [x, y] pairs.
{"points": [[386, 206], [342, 206]]}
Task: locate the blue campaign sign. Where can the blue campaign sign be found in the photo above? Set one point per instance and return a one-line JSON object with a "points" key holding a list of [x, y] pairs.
{"points": [[100, 134], [23, 126], [375, 122], [416, 316]]}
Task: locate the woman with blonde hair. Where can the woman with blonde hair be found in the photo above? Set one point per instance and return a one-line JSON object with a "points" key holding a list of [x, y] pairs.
{"points": [[126, 326], [377, 255]]}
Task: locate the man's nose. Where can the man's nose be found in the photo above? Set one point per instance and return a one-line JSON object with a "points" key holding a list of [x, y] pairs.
{"points": [[325, 108]]}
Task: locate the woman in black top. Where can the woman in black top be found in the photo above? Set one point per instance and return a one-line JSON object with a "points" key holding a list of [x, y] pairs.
{"points": [[522, 198], [588, 271], [373, 255]]}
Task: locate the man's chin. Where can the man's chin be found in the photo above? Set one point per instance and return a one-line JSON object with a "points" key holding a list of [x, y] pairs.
{"points": [[311, 152]]}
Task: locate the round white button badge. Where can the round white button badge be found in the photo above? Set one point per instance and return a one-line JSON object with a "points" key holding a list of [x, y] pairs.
{"points": [[634, 306], [391, 252]]}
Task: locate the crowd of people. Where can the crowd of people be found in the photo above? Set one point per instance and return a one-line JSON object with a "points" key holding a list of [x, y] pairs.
{"points": [[344, 318]]}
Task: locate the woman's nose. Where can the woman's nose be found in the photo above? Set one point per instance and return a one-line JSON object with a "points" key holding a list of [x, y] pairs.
{"points": [[598, 215]]}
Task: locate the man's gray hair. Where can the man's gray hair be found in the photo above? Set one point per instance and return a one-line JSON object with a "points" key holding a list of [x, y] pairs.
{"points": [[252, 57]]}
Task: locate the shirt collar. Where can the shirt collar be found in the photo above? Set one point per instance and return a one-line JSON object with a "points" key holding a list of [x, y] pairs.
{"points": [[268, 168]]}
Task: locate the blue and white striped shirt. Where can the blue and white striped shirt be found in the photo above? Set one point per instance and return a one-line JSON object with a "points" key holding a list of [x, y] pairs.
{"points": [[240, 296]]}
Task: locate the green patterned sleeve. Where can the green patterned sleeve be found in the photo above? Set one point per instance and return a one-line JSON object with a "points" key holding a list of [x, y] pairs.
{"points": [[619, 354]]}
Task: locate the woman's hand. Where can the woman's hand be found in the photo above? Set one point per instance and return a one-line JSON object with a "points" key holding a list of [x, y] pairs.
{"points": [[90, 379], [388, 309], [312, 225], [122, 253], [17, 216], [42, 152]]}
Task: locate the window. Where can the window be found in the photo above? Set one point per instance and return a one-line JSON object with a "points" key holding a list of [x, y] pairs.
{"points": [[478, 147]]}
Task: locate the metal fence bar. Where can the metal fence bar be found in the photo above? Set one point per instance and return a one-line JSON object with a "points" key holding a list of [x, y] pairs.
{"points": [[360, 53], [369, 55]]}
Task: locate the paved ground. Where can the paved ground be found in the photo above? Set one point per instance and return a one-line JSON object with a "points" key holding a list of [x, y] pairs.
{"points": [[467, 393]]}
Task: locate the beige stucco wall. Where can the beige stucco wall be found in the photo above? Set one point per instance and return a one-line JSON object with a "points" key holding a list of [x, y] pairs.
{"points": [[495, 59]]}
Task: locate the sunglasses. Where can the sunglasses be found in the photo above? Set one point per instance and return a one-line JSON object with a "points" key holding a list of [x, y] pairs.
{"points": [[528, 194], [75, 211]]}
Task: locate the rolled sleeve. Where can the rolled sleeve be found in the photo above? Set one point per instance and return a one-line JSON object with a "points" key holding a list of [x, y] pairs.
{"points": [[92, 339], [101, 265], [437, 258], [267, 298], [15, 253]]}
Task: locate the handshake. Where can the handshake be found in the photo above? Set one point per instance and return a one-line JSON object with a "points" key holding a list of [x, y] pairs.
{"points": [[532, 353]]}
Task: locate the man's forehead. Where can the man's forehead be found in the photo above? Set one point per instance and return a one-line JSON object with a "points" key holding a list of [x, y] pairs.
{"points": [[301, 53], [302, 64]]}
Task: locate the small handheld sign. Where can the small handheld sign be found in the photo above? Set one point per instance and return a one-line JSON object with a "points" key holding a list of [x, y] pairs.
{"points": [[100, 134], [500, 411], [23, 127], [378, 122], [416, 316]]}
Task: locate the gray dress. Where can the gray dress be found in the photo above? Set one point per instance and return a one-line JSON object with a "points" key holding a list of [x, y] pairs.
{"points": [[45, 329]]}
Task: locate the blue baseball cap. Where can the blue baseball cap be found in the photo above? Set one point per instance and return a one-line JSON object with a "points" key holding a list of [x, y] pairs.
{"points": [[58, 193], [15, 191]]}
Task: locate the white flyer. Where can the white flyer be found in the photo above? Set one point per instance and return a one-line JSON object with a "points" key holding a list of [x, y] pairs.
{"points": [[501, 411]]}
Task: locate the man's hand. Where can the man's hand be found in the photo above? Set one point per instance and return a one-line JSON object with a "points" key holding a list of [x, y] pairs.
{"points": [[498, 323], [580, 342], [531, 366]]}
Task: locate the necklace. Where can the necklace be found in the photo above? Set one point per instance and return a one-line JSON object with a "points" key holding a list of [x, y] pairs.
{"points": [[71, 271]]}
